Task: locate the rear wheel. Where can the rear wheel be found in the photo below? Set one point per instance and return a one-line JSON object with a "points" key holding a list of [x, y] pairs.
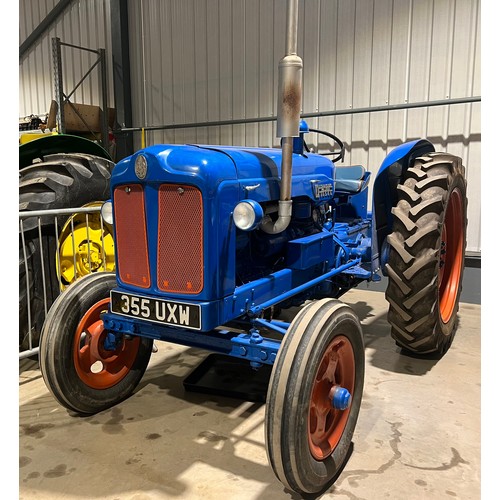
{"points": [[83, 370], [314, 396], [427, 255]]}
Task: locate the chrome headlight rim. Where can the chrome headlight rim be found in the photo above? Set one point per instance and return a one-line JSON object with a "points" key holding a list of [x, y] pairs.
{"points": [[107, 212], [247, 215]]}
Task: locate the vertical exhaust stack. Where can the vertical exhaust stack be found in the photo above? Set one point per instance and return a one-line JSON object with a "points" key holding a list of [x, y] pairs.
{"points": [[289, 105]]}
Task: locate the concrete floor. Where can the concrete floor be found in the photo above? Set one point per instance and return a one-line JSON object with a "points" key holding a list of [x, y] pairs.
{"points": [[418, 433]]}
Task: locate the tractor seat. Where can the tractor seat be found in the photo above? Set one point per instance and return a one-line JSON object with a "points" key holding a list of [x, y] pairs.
{"points": [[349, 179]]}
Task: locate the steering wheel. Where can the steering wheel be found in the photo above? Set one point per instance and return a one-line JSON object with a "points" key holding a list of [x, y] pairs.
{"points": [[336, 140]]}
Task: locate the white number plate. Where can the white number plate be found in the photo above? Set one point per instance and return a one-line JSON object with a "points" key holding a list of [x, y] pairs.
{"points": [[160, 311]]}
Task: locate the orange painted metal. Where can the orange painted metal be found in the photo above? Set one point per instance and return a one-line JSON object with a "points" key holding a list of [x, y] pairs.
{"points": [[326, 424], [95, 366], [131, 235], [452, 255], [180, 239]]}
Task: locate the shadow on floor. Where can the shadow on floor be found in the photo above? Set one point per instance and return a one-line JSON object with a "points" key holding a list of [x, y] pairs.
{"points": [[154, 438]]}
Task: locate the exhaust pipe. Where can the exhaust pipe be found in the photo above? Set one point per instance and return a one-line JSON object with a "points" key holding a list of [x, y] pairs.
{"points": [[289, 104]]}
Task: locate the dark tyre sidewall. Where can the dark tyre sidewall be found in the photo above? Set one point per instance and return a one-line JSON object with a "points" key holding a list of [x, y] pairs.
{"points": [[57, 345], [303, 473]]}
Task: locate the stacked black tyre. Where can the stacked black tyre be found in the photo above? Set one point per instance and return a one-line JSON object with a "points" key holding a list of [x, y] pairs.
{"points": [[427, 254], [59, 181]]}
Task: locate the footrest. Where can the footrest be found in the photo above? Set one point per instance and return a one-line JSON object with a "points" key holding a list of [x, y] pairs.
{"points": [[358, 272]]}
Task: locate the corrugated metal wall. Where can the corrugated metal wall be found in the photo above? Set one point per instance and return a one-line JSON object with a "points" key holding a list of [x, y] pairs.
{"points": [[209, 60], [85, 23]]}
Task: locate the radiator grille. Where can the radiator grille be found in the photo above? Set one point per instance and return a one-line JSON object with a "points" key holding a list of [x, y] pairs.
{"points": [[131, 236], [180, 239]]}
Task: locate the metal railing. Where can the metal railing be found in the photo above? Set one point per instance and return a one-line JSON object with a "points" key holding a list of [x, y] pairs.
{"points": [[317, 114], [40, 262]]}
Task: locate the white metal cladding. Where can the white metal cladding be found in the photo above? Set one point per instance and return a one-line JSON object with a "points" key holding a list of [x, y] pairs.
{"points": [[209, 60], [84, 23], [201, 60]]}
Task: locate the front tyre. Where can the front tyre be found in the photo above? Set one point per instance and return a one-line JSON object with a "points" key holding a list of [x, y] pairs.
{"points": [[83, 373], [314, 396], [427, 255]]}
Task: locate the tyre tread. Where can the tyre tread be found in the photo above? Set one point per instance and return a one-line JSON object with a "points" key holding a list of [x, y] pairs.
{"points": [[413, 265]]}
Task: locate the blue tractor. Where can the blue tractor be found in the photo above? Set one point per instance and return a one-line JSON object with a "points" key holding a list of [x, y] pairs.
{"points": [[211, 241]]}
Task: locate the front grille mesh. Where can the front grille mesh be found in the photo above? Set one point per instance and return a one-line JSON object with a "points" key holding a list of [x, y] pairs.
{"points": [[180, 239], [131, 236]]}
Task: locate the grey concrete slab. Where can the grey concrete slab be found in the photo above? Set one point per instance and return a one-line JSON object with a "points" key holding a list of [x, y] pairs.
{"points": [[418, 434]]}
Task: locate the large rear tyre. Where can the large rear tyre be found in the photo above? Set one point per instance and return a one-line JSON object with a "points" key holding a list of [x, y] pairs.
{"points": [[82, 373], [314, 396], [427, 254], [60, 181]]}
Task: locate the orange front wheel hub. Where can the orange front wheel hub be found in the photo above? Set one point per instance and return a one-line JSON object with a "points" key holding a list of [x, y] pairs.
{"points": [[326, 420], [96, 366]]}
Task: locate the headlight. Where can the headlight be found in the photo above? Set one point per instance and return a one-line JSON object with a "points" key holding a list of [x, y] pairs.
{"points": [[247, 215], [107, 212], [141, 166]]}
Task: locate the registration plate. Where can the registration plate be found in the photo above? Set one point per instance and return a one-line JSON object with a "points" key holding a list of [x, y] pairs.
{"points": [[166, 312]]}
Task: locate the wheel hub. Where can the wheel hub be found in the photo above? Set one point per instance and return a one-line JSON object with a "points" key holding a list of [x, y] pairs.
{"points": [[89, 257], [340, 398], [331, 397], [96, 365]]}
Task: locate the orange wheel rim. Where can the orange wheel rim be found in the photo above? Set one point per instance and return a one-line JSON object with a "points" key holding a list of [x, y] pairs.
{"points": [[451, 256], [326, 424], [95, 366]]}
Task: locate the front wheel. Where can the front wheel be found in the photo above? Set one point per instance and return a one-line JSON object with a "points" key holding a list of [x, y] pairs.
{"points": [[314, 396], [84, 372]]}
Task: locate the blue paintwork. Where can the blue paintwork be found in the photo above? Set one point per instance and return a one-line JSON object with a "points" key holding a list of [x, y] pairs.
{"points": [[357, 204], [308, 251], [223, 341], [389, 175], [260, 170], [277, 326], [256, 309], [215, 175], [222, 175], [298, 142], [399, 153], [314, 257], [341, 399]]}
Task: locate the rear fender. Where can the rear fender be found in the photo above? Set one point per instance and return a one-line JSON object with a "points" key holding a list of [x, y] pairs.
{"points": [[385, 196]]}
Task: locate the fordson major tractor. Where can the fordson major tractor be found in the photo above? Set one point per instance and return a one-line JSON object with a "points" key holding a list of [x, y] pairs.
{"points": [[210, 240]]}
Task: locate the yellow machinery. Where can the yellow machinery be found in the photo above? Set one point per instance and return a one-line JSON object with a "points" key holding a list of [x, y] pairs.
{"points": [[85, 246]]}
